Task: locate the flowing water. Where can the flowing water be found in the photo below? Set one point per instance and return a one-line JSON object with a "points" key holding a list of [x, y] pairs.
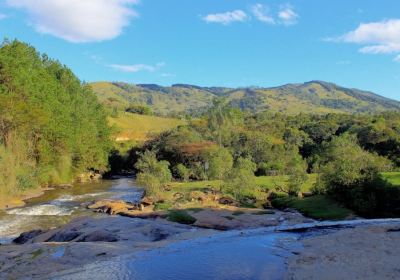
{"points": [[59, 206], [247, 254]]}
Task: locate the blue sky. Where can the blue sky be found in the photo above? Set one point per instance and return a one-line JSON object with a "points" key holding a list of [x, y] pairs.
{"points": [[216, 42]]}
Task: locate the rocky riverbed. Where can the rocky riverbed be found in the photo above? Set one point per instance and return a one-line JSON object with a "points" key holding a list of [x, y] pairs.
{"points": [[222, 243]]}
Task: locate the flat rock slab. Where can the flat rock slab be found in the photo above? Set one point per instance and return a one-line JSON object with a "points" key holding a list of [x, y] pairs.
{"points": [[365, 252]]}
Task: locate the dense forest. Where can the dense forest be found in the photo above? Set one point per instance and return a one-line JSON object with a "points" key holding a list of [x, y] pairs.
{"points": [[52, 127], [348, 153]]}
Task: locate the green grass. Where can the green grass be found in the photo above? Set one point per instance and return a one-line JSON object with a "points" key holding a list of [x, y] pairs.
{"points": [[269, 182], [317, 207], [181, 216], [135, 127], [163, 206], [392, 177]]}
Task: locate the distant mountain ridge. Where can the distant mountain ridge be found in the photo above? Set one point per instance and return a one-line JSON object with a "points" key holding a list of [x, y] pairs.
{"points": [[313, 97]]}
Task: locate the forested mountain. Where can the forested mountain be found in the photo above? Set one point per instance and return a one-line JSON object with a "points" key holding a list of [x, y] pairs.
{"points": [[51, 125], [313, 97]]}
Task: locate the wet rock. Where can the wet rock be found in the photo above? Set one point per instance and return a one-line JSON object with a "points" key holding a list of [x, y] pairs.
{"points": [[226, 200], [64, 236], [111, 207], [158, 234], [26, 236], [99, 236]]}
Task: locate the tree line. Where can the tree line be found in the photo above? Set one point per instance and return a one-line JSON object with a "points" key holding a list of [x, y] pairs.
{"points": [[348, 152], [51, 124]]}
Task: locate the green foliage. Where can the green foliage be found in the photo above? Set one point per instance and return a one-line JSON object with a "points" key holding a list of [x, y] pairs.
{"points": [[392, 177], [182, 172], [152, 173], [220, 162], [51, 125], [352, 175], [139, 109], [297, 171], [240, 178], [317, 207], [345, 164]]}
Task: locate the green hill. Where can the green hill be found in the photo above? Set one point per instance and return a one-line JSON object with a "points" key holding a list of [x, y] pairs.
{"points": [[315, 96]]}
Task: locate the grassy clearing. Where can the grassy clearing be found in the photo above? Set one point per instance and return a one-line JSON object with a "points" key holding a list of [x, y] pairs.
{"points": [[135, 127], [392, 177], [318, 207]]}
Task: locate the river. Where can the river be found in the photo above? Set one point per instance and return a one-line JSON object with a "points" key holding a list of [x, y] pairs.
{"points": [[61, 205], [238, 254]]}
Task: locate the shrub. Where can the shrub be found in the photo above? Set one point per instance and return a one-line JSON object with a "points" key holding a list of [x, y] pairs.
{"points": [[220, 162], [352, 175], [240, 178], [152, 173], [182, 172]]}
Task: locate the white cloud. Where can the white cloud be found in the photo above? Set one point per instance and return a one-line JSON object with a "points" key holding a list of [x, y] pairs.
{"points": [[227, 17], [261, 12], [287, 15], [379, 37], [78, 20], [134, 68]]}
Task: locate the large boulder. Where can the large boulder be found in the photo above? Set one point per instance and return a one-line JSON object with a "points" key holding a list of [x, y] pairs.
{"points": [[98, 236], [26, 236], [64, 236]]}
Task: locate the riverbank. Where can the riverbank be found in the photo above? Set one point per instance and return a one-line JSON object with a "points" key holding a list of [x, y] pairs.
{"points": [[66, 240], [19, 200]]}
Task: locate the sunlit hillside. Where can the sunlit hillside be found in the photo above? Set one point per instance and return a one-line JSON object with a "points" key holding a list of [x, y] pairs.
{"points": [[312, 97], [139, 128]]}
